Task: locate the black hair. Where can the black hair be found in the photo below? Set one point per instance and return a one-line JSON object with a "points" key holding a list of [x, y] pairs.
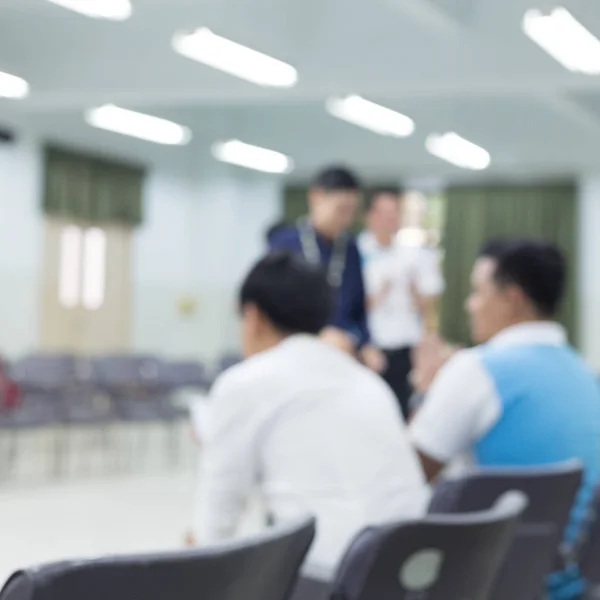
{"points": [[273, 230], [536, 266], [386, 190], [293, 294], [336, 178]]}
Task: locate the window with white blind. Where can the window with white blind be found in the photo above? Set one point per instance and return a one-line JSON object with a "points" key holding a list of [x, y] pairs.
{"points": [[82, 268], [87, 287]]}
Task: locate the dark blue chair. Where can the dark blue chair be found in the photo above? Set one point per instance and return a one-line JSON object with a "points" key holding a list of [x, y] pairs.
{"points": [[440, 557], [260, 568], [550, 491]]}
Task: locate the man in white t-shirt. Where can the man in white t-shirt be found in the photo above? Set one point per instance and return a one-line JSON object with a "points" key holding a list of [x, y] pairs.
{"points": [[402, 286], [302, 421]]}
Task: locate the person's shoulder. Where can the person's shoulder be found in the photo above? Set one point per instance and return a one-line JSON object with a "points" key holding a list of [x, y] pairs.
{"points": [[359, 377], [284, 235], [237, 377], [463, 363], [253, 372]]}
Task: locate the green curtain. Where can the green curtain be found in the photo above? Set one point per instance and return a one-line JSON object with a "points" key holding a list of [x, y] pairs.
{"points": [[294, 204], [477, 214], [86, 188]]}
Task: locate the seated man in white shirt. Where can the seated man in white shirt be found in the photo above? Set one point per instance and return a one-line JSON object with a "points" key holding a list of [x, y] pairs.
{"points": [[523, 397], [304, 422]]}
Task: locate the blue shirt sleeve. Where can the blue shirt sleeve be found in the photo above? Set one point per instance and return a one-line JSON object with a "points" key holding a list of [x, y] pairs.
{"points": [[360, 301]]}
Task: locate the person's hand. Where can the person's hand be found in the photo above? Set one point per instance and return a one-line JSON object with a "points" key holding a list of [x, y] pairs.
{"points": [[415, 294], [194, 435], [375, 300], [429, 357], [373, 358], [386, 288], [338, 338]]}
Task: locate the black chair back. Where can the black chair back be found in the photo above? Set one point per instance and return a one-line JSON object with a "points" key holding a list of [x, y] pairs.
{"points": [[263, 568], [187, 374], [45, 373], [589, 549], [437, 558], [550, 492]]}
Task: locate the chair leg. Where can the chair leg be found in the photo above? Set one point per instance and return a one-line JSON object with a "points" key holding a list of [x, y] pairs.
{"points": [[13, 451], [62, 449], [8, 454], [173, 441]]}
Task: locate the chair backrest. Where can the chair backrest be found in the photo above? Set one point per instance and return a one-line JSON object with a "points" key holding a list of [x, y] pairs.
{"points": [[45, 372], [262, 568], [439, 557], [589, 550], [124, 370], [187, 374], [550, 491], [227, 361]]}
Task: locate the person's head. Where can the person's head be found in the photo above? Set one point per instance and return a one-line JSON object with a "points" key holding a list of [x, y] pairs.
{"points": [[333, 200], [514, 281], [382, 216], [283, 295]]}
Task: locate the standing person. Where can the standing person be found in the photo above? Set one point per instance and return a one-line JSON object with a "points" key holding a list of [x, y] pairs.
{"points": [[523, 396], [306, 425], [402, 285], [322, 238]]}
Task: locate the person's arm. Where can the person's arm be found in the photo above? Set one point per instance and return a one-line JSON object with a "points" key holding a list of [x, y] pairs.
{"points": [[378, 298], [359, 302], [427, 287], [427, 306], [371, 356], [229, 462], [459, 408]]}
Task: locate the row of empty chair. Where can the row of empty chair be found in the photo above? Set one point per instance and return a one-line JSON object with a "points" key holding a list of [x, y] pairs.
{"points": [[266, 568], [488, 536], [65, 390]]}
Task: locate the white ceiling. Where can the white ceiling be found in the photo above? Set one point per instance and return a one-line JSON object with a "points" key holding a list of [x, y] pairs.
{"points": [[460, 65]]}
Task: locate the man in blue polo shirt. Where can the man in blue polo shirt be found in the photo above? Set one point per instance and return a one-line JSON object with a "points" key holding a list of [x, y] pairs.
{"points": [[322, 238], [522, 397]]}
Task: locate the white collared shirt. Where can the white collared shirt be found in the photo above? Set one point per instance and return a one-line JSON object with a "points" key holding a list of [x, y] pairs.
{"points": [[463, 403], [395, 322], [318, 434]]}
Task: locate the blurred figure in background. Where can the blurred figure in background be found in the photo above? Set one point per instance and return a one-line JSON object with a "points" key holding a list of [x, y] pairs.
{"points": [[523, 397], [303, 422], [322, 238], [402, 284]]}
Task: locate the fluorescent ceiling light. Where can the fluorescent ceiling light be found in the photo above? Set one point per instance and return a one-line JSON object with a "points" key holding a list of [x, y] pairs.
{"points": [[12, 86], [223, 54], [139, 125], [369, 115], [454, 149], [115, 10], [562, 36], [252, 157]]}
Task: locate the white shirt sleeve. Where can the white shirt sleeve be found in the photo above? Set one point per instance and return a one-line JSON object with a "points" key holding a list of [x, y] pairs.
{"points": [[229, 459], [429, 279], [459, 408]]}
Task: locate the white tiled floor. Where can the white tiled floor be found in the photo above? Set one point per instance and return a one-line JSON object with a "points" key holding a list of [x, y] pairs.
{"points": [[53, 521]]}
